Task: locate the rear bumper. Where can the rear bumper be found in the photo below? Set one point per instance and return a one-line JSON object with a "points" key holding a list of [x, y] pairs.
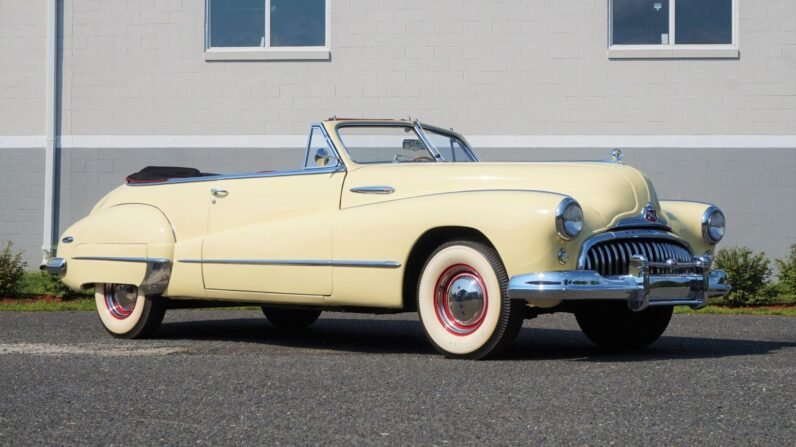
{"points": [[55, 267], [639, 289]]}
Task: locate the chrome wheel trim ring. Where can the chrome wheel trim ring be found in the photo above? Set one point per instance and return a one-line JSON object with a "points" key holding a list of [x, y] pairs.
{"points": [[460, 299], [120, 300]]}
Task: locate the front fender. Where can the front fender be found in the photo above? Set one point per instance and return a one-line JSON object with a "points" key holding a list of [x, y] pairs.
{"points": [[520, 224], [122, 244], [685, 219]]}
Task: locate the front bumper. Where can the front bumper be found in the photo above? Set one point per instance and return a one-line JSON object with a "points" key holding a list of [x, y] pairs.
{"points": [[639, 288]]}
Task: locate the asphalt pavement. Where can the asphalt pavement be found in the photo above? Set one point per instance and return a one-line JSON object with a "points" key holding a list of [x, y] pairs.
{"points": [[226, 377]]}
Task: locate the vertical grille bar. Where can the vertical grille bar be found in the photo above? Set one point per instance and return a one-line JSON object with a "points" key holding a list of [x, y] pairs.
{"points": [[612, 257]]}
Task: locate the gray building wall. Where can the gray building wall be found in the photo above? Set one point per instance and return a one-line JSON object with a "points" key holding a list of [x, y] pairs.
{"points": [[509, 68]]}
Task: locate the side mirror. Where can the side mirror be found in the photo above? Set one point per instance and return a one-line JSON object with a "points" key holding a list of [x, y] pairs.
{"points": [[324, 158]]}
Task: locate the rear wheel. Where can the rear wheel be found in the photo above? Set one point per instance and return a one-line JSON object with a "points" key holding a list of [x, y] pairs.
{"points": [[463, 303], [291, 318], [613, 325], [126, 312]]}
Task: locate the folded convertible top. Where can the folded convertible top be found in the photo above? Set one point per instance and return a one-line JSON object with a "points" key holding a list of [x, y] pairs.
{"points": [[153, 174]]}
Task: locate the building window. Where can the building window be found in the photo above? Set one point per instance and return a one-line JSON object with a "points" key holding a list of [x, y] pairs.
{"points": [[267, 29], [672, 28]]}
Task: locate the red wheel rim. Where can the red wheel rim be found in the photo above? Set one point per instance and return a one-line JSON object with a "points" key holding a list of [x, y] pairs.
{"points": [[460, 299], [120, 300]]}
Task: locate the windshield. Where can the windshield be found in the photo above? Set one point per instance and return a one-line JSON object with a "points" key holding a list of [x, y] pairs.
{"points": [[384, 144]]}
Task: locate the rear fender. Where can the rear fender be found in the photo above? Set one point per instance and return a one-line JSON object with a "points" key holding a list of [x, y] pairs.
{"points": [[122, 244]]}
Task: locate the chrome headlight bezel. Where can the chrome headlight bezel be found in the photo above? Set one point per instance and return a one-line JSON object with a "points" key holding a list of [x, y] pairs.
{"points": [[714, 225], [569, 219]]}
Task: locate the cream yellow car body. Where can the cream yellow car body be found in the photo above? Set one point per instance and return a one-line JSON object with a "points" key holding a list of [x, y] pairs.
{"points": [[329, 246]]}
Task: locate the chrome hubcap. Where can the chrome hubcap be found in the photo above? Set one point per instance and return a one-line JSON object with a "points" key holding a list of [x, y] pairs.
{"points": [[120, 300], [465, 298], [460, 299]]}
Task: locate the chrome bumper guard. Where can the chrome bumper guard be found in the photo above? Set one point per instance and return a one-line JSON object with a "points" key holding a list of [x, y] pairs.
{"points": [[55, 267], [639, 288]]}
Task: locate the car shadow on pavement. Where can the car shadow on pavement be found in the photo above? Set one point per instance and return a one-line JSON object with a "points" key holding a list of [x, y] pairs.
{"points": [[407, 337]]}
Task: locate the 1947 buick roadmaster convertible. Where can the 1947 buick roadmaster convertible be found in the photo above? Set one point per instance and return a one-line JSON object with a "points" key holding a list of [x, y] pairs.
{"points": [[398, 216]]}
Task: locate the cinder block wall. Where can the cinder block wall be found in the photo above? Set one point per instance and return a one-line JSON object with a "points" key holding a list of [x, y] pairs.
{"points": [[512, 67], [532, 67]]}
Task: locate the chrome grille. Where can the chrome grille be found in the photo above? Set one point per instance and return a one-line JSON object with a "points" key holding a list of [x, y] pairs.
{"points": [[612, 257]]}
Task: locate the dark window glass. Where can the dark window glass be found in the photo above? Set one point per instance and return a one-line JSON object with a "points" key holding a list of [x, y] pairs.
{"points": [[298, 23], [703, 21], [237, 23], [640, 22]]}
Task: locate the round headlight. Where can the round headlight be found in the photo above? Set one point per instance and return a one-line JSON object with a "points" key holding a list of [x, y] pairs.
{"points": [[713, 225], [569, 219]]}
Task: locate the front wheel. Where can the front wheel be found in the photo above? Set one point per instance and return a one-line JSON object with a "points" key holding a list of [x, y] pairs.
{"points": [[613, 325], [463, 302], [126, 312]]}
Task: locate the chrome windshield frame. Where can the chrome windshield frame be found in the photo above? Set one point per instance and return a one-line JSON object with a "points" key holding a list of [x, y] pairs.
{"points": [[450, 133], [427, 141]]}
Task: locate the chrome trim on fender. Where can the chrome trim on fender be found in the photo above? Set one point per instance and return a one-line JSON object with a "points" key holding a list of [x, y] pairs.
{"points": [[464, 191], [639, 289], [297, 262], [120, 259], [156, 277], [373, 189], [626, 235]]}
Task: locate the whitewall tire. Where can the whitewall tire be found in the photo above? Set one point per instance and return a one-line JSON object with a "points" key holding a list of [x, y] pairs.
{"points": [[126, 312], [463, 303]]}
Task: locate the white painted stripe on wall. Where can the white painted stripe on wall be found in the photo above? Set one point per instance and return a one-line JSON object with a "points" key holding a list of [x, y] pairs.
{"points": [[484, 141], [182, 141], [22, 141]]}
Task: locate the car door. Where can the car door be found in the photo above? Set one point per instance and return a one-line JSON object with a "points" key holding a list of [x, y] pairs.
{"points": [[272, 232]]}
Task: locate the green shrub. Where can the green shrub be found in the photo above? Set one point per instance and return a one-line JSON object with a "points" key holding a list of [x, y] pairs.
{"points": [[787, 270], [12, 269], [748, 273], [53, 285]]}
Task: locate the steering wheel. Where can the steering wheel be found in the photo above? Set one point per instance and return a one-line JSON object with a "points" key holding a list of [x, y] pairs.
{"points": [[423, 158]]}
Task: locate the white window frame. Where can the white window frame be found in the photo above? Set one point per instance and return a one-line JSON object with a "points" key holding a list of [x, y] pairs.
{"points": [[673, 50], [267, 52]]}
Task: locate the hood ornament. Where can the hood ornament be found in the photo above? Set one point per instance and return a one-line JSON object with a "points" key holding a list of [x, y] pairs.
{"points": [[649, 213], [617, 156]]}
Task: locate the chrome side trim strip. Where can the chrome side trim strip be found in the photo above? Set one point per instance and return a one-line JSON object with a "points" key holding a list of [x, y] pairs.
{"points": [[455, 192], [213, 178], [373, 189], [297, 262], [121, 259]]}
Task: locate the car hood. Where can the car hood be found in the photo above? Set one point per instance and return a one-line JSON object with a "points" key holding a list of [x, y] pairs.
{"points": [[608, 192]]}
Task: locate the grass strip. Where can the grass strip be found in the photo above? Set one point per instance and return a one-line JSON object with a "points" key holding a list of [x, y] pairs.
{"points": [[786, 311], [48, 305]]}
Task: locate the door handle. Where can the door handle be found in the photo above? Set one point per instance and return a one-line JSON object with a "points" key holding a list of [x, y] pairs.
{"points": [[219, 192], [373, 189]]}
